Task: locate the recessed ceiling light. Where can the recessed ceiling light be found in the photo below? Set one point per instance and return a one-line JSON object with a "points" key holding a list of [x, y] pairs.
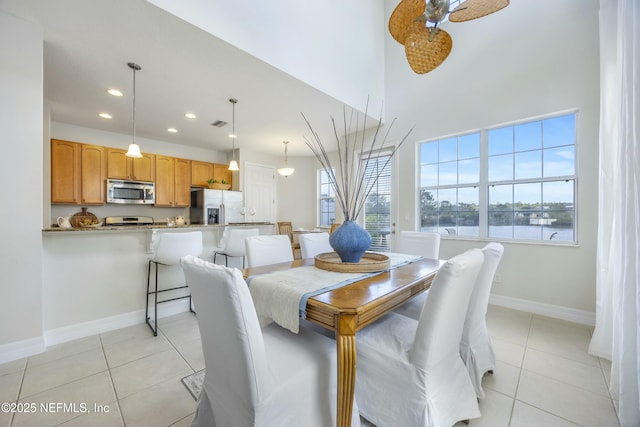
{"points": [[190, 115], [232, 135], [105, 115], [172, 130], [114, 92]]}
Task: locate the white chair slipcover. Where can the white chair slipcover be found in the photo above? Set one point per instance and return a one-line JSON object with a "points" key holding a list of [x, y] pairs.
{"points": [[233, 243], [257, 377], [426, 245], [409, 373], [264, 250], [475, 346], [312, 244]]}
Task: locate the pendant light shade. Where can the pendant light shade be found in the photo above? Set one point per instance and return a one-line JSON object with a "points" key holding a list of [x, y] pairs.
{"points": [[233, 165], [134, 149], [286, 170]]}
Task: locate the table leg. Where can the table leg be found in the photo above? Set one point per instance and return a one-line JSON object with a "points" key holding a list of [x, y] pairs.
{"points": [[346, 353]]}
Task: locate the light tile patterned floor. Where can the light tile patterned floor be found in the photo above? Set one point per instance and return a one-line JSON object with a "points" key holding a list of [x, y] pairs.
{"points": [[544, 377]]}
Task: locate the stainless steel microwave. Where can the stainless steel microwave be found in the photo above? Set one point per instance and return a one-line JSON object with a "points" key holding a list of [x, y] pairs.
{"points": [[131, 192]]}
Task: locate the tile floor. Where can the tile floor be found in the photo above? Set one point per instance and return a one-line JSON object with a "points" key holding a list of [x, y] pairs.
{"points": [[544, 377]]}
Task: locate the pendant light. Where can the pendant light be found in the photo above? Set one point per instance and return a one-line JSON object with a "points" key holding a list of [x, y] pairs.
{"points": [[134, 149], [286, 170], [233, 165]]}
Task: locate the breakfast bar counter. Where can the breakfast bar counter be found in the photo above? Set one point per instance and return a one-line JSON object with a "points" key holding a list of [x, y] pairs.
{"points": [[157, 226], [96, 277]]}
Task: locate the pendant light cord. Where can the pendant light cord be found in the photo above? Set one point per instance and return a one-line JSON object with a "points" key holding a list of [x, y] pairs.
{"points": [[134, 105]]}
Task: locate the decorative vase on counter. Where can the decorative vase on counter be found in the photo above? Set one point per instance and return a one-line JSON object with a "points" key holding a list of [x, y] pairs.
{"points": [[350, 241]]}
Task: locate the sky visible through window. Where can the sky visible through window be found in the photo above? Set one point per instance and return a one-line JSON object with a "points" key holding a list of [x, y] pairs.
{"points": [[507, 178]]}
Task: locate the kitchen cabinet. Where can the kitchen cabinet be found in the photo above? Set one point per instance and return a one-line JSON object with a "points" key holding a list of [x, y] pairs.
{"points": [[119, 166], [173, 181], [93, 174], [200, 173], [78, 173], [65, 171], [221, 171]]}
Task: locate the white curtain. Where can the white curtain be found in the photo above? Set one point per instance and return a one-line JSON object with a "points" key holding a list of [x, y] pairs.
{"points": [[617, 333]]}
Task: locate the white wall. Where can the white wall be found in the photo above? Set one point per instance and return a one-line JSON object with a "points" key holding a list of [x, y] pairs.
{"points": [[21, 174], [531, 58], [332, 45]]}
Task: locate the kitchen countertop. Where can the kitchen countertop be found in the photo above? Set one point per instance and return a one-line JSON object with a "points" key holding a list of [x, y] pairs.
{"points": [[158, 226]]}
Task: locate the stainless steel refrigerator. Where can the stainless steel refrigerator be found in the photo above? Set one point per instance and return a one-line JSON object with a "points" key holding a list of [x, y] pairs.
{"points": [[216, 206]]}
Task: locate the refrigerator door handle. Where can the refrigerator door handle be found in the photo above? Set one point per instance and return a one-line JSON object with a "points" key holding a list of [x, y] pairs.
{"points": [[221, 218]]}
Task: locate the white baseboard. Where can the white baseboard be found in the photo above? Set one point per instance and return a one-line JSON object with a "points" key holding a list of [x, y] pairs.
{"points": [[549, 310], [25, 348], [106, 324], [19, 349]]}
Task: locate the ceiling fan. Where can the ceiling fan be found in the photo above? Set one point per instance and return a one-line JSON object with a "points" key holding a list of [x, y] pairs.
{"points": [[414, 24]]}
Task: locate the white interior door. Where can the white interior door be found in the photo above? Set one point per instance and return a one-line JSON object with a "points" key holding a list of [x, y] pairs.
{"points": [[260, 192]]}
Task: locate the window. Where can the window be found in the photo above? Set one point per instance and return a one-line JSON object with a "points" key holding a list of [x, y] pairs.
{"points": [[377, 208], [326, 200], [512, 182]]}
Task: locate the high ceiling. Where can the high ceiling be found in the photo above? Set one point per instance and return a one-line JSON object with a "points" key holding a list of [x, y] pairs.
{"points": [[89, 43]]}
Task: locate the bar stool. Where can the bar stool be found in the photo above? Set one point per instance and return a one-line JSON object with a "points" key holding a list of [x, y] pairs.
{"points": [[168, 249], [233, 244]]}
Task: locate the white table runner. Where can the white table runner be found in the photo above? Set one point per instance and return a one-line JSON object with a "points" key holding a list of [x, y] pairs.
{"points": [[281, 296]]}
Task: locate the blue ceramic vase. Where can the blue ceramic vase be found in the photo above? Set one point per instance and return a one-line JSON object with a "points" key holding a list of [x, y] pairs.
{"points": [[350, 241]]}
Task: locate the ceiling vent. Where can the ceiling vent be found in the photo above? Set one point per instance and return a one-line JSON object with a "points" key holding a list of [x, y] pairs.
{"points": [[219, 123]]}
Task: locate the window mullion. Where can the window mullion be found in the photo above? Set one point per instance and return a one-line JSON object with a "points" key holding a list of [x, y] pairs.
{"points": [[483, 196]]}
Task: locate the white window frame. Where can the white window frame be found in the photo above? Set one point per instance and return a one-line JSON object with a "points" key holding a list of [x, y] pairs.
{"points": [[483, 185], [320, 198]]}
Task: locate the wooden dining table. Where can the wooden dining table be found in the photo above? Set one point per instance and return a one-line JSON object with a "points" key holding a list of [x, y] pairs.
{"points": [[350, 308]]}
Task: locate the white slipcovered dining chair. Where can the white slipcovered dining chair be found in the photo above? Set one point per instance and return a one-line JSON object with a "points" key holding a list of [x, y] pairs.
{"points": [[427, 245], [233, 244], [410, 372], [475, 347], [167, 249], [264, 250], [312, 244], [257, 377]]}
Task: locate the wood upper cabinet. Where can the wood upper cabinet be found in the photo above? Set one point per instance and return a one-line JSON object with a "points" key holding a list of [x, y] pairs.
{"points": [[182, 183], [119, 166], [78, 173], [173, 181], [164, 181], [200, 173], [93, 174], [221, 171], [65, 171]]}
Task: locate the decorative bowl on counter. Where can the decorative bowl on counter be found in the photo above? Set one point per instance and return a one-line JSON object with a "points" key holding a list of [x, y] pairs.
{"points": [[82, 218], [82, 225]]}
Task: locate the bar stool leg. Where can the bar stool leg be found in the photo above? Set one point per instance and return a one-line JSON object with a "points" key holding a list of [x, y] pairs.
{"points": [[146, 309]]}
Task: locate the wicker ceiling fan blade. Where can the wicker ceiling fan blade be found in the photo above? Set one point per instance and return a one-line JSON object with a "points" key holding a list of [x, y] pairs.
{"points": [[403, 17], [474, 9], [424, 54]]}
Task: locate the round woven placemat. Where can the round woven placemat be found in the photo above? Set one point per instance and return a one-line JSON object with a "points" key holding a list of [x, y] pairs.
{"points": [[369, 263], [403, 16], [424, 55], [474, 9]]}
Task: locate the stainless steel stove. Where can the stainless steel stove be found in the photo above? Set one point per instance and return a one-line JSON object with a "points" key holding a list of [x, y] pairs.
{"points": [[128, 220]]}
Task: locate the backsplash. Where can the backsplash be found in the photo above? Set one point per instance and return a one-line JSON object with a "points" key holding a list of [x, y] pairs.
{"points": [[159, 214]]}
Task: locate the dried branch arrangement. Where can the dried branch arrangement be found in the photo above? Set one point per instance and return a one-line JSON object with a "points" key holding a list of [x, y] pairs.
{"points": [[354, 152]]}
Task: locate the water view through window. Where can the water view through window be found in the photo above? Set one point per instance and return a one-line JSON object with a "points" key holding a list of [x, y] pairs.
{"points": [[512, 182]]}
